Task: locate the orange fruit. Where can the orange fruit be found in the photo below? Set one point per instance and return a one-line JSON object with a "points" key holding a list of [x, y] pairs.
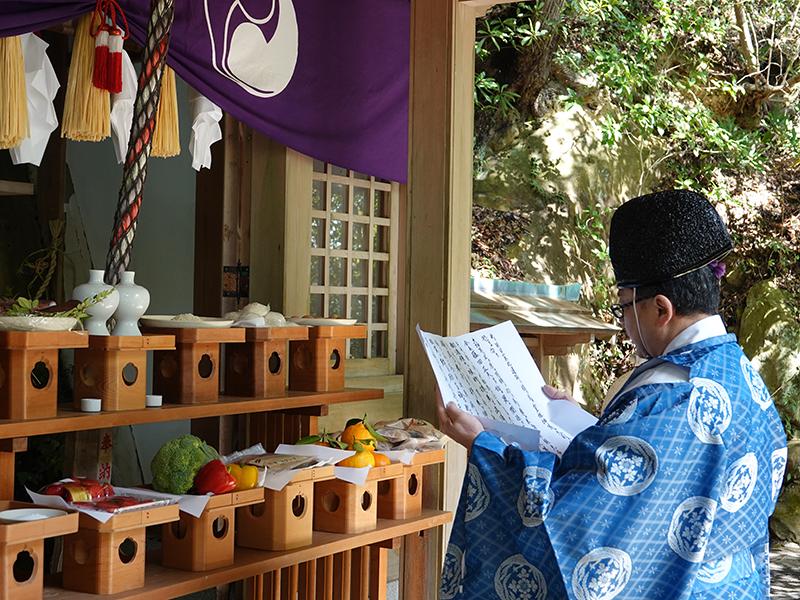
{"points": [[359, 459], [358, 432], [381, 460]]}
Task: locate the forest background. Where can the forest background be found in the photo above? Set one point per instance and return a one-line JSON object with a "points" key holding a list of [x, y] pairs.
{"points": [[581, 104]]}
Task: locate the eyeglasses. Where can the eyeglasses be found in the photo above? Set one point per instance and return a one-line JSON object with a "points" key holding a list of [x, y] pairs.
{"points": [[618, 310]]}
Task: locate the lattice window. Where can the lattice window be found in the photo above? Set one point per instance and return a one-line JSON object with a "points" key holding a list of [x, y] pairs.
{"points": [[353, 238]]}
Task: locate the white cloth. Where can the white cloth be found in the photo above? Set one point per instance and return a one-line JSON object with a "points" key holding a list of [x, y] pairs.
{"points": [[41, 86], [671, 373], [205, 129], [122, 108]]}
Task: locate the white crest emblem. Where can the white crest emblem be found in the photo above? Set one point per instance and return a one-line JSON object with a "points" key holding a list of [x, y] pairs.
{"points": [[452, 572], [477, 494], [690, 527], [601, 574], [758, 390], [714, 571], [778, 470], [709, 410], [517, 579], [241, 52], [535, 496], [740, 480], [626, 465]]}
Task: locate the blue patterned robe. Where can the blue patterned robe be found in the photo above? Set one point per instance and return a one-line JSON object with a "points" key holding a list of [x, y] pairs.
{"points": [[668, 496]]}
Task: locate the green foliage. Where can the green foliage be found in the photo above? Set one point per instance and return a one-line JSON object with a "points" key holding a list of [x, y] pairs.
{"points": [[674, 77], [178, 461], [27, 307]]}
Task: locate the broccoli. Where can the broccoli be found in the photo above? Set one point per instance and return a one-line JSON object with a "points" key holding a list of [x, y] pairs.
{"points": [[178, 461]]}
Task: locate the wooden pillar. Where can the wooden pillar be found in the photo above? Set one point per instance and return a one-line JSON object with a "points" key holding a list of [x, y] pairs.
{"points": [[281, 227], [438, 221]]}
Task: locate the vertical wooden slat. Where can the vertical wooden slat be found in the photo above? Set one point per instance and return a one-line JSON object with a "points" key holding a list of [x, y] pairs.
{"points": [[344, 575], [415, 547], [378, 572], [328, 592], [359, 574], [309, 580], [292, 582]]}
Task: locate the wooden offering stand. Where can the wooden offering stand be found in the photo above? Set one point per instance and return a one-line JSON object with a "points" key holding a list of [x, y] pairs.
{"points": [[285, 520], [190, 373], [317, 364], [108, 558], [29, 371], [342, 507], [401, 497], [205, 543], [114, 368], [22, 551], [257, 368]]}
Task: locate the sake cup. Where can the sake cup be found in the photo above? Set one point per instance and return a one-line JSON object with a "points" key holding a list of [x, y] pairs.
{"points": [[91, 404]]}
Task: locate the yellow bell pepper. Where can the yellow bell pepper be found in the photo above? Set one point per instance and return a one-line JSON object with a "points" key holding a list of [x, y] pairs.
{"points": [[246, 476]]}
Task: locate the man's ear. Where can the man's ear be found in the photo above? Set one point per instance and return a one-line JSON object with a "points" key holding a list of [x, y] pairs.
{"points": [[664, 308]]}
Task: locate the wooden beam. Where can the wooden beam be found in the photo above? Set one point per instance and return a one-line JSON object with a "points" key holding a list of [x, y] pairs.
{"points": [[438, 220]]}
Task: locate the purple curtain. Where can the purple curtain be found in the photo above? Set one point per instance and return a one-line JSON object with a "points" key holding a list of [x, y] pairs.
{"points": [[327, 78]]}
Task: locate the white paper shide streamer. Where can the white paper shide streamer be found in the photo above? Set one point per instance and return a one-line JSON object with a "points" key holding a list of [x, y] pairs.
{"points": [[205, 129], [122, 108], [41, 85]]}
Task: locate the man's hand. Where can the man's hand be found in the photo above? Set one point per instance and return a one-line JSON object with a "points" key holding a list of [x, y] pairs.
{"points": [[556, 394], [457, 424]]}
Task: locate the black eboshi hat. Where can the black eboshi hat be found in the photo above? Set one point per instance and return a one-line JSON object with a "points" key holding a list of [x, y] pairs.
{"points": [[661, 236]]}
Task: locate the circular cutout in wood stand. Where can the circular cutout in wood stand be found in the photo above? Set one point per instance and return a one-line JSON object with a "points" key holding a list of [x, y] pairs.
{"points": [[274, 363], [88, 374], [127, 551], [299, 506], [40, 375], [168, 366], [366, 501], [205, 368], [413, 485], [219, 527], [335, 359], [331, 502], [302, 358], [24, 568], [130, 373], [239, 362]]}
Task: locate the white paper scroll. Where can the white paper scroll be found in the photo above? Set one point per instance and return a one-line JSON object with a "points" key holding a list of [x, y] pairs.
{"points": [[491, 374], [41, 85]]}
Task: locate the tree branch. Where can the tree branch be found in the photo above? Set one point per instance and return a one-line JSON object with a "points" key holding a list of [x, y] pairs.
{"points": [[746, 39]]}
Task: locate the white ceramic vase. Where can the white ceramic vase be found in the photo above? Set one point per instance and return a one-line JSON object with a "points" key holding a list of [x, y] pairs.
{"points": [[101, 311], [133, 302]]}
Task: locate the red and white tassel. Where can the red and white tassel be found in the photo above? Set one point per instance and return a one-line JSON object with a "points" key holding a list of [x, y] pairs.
{"points": [[114, 66], [100, 70]]}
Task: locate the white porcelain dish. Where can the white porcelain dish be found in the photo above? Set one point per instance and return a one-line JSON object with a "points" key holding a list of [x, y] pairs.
{"points": [[23, 515], [168, 322], [314, 322], [37, 323]]}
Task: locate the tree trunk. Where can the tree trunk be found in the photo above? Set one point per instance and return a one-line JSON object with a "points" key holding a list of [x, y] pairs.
{"points": [[535, 63]]}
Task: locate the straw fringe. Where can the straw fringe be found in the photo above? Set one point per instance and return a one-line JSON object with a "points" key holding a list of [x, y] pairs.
{"points": [[87, 109], [13, 99], [166, 137]]}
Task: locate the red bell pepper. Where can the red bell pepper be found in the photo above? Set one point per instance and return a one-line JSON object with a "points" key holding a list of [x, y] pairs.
{"points": [[214, 478]]}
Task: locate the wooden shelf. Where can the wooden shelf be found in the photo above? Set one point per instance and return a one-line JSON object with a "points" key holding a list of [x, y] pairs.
{"points": [[72, 420], [15, 188], [163, 583]]}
